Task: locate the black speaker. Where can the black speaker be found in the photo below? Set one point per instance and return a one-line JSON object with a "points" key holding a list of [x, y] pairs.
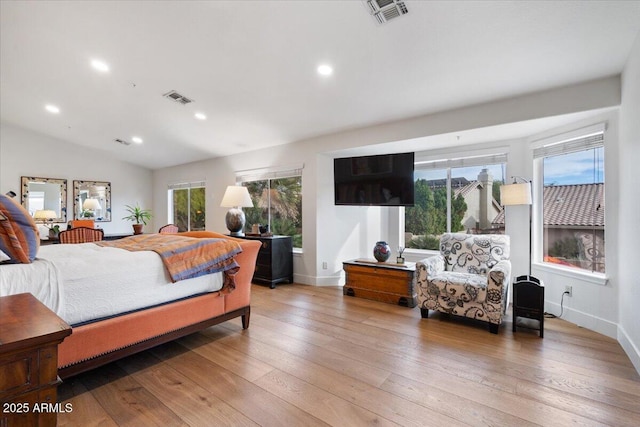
{"points": [[528, 300]]}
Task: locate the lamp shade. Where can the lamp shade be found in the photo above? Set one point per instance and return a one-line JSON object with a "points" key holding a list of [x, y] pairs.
{"points": [[236, 197], [91, 204], [515, 194], [45, 215]]}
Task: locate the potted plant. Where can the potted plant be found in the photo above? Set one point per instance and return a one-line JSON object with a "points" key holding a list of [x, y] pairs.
{"points": [[54, 232], [139, 215]]}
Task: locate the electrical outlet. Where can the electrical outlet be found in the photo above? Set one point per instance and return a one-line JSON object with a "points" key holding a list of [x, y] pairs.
{"points": [[568, 290], [324, 265]]}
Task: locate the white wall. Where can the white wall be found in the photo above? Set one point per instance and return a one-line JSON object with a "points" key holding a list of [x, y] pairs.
{"points": [[629, 203], [333, 234], [26, 153]]}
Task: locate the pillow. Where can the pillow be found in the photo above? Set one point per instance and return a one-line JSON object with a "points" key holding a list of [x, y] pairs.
{"points": [[19, 238]]}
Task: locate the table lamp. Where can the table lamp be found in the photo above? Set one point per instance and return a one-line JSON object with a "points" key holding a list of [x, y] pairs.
{"points": [[91, 205], [236, 197]]}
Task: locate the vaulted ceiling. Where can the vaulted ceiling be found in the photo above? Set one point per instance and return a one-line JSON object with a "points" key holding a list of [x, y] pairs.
{"points": [[250, 66]]}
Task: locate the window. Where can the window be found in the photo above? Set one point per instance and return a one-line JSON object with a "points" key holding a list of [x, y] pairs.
{"points": [[187, 205], [277, 200], [460, 195], [573, 202]]}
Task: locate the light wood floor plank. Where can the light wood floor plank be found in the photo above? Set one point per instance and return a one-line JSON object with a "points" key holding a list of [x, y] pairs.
{"points": [[192, 403], [313, 357], [246, 397], [336, 381], [86, 411]]}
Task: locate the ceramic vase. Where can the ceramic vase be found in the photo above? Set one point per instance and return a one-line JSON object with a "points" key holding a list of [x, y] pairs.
{"points": [[381, 251]]}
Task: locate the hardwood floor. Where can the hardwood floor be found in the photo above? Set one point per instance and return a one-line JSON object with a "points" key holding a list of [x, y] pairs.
{"points": [[312, 357]]}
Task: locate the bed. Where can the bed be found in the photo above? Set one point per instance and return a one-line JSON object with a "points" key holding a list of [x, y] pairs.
{"points": [[119, 302]]}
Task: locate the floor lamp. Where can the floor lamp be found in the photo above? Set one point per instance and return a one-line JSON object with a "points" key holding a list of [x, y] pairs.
{"points": [[518, 194]]}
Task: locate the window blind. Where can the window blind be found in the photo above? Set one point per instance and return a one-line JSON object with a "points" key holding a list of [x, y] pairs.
{"points": [[570, 146], [269, 173], [462, 162], [570, 142], [183, 185]]}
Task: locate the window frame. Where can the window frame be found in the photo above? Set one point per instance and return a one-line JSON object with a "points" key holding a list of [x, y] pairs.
{"points": [[273, 173], [563, 143], [448, 162], [184, 186]]}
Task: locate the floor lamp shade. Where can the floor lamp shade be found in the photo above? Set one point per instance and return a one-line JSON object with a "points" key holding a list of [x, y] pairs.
{"points": [[515, 194], [236, 197], [518, 194]]}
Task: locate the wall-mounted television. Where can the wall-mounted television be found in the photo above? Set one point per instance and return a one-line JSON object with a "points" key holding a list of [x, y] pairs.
{"points": [[382, 180]]}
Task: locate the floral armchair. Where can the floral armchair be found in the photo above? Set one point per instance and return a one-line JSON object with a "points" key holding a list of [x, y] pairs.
{"points": [[470, 277]]}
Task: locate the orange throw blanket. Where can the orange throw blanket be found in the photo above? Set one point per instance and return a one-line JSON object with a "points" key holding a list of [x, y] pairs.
{"points": [[186, 257]]}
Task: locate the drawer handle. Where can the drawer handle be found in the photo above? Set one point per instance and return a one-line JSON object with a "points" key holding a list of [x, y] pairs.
{"points": [[265, 244]]}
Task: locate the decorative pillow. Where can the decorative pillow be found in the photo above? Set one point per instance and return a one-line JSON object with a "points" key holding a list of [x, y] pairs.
{"points": [[19, 238]]}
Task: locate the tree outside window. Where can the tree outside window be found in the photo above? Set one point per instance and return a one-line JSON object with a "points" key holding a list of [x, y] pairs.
{"points": [[188, 208], [473, 207], [278, 203]]}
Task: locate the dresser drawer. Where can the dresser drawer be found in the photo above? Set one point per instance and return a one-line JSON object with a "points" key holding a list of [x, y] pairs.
{"points": [[18, 372], [29, 369], [30, 409], [266, 247]]}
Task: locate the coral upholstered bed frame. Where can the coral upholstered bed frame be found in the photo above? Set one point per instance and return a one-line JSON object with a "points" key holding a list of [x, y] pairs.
{"points": [[95, 344]]}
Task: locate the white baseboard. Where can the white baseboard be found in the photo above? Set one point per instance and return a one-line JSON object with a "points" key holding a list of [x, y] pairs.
{"points": [[629, 347], [585, 320], [319, 281]]}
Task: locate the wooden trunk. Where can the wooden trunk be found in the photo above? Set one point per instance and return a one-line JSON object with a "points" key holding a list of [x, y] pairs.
{"points": [[379, 281]]}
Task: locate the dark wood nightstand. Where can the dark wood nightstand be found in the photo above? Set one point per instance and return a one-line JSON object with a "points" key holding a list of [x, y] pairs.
{"points": [[29, 338], [275, 260]]}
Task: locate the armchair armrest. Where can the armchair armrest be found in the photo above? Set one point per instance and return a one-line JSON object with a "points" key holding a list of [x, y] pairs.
{"points": [[498, 284], [500, 274], [430, 266]]}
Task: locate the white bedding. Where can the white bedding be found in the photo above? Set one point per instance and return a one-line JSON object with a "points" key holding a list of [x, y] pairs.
{"points": [[82, 282]]}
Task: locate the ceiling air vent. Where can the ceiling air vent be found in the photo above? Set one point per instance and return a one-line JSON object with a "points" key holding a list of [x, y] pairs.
{"points": [[386, 10], [122, 141], [175, 96]]}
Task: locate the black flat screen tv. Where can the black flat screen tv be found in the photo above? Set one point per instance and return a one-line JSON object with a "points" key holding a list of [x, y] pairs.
{"points": [[383, 180]]}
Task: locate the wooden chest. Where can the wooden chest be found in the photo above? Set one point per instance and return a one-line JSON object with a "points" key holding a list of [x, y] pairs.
{"points": [[29, 338], [379, 281]]}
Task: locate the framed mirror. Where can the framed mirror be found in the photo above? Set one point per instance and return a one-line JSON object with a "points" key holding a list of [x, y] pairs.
{"points": [[45, 194], [92, 200]]}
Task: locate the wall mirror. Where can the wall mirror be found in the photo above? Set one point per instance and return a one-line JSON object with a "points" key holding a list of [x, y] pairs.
{"points": [[48, 194], [92, 200]]}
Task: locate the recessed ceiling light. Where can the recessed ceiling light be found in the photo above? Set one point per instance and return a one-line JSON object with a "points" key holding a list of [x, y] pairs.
{"points": [[52, 109], [136, 139], [325, 70], [100, 65], [201, 116]]}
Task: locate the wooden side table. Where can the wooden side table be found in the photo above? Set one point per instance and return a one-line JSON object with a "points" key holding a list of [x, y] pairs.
{"points": [[381, 281], [29, 338]]}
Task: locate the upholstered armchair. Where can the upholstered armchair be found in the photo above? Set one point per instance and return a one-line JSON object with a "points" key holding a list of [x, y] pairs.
{"points": [[168, 229], [470, 277]]}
